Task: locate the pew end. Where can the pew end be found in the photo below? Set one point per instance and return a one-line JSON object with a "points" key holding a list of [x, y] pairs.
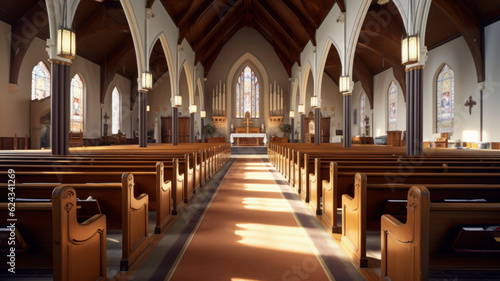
{"points": [[329, 210]]}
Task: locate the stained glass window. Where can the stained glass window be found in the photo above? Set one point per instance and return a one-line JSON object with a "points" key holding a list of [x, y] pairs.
{"points": [[40, 82], [76, 104], [362, 112], [392, 97], [247, 94], [445, 100], [115, 111]]}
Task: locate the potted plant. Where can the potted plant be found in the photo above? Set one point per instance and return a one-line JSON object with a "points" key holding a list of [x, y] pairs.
{"points": [[209, 130], [285, 129]]}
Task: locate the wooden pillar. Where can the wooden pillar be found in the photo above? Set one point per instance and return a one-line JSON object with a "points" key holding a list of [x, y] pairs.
{"points": [[143, 119], [175, 125], [347, 120], [414, 111], [292, 122], [191, 128], [317, 126], [60, 111], [302, 128]]}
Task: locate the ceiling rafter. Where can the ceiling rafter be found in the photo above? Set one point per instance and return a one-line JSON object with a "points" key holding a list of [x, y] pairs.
{"points": [[149, 4], [309, 14], [365, 77], [21, 40], [278, 21], [110, 66], [470, 28], [226, 20], [190, 18], [277, 30], [395, 62], [297, 14], [341, 5]]}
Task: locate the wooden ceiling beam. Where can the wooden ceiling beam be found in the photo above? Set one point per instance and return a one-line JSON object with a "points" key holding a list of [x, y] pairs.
{"points": [[190, 18], [149, 3], [395, 62], [309, 14], [341, 5], [227, 34], [298, 16], [470, 28], [23, 34], [110, 66], [214, 32], [277, 21], [277, 32], [365, 77]]}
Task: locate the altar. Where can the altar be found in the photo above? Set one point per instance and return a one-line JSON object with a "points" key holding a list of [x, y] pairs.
{"points": [[248, 139]]}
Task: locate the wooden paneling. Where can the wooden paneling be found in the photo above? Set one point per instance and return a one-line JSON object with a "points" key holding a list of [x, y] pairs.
{"points": [[166, 129], [324, 125]]}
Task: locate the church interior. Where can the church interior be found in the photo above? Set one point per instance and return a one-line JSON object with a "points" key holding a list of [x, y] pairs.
{"points": [[250, 140]]}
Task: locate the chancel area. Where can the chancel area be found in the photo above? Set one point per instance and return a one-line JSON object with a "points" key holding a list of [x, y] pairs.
{"points": [[249, 140]]}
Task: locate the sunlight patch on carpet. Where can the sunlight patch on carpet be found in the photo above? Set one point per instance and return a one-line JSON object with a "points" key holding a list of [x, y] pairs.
{"points": [[266, 204]]}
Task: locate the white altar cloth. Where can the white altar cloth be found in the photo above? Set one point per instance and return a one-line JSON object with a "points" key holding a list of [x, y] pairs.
{"points": [[249, 135]]}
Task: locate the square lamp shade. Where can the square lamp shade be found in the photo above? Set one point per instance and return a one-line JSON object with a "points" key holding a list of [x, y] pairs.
{"points": [[178, 101], [292, 114], [66, 43], [193, 108], [203, 114], [314, 102], [344, 84], [147, 80], [301, 109], [410, 50]]}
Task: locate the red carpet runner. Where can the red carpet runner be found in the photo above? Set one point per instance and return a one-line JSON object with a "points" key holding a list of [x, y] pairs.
{"points": [[249, 233]]}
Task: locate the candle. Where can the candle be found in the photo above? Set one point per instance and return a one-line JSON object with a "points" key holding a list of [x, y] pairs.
{"points": [[220, 85], [281, 99], [220, 101], [213, 101], [270, 97], [224, 101]]}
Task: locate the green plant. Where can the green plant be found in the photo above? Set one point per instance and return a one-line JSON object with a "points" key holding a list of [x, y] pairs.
{"points": [[285, 128], [209, 130]]}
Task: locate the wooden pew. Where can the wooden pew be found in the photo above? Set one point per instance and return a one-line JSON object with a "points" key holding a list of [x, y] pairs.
{"points": [[130, 214], [74, 251], [410, 249]]}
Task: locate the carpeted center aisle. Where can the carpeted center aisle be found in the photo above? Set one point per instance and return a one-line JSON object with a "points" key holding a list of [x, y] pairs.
{"points": [[249, 233]]}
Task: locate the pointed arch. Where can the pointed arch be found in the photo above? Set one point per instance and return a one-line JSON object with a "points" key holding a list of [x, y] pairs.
{"points": [[40, 82], [189, 80], [305, 79], [168, 56], [328, 45], [201, 95], [116, 109], [445, 99], [77, 103], [295, 90], [392, 107]]}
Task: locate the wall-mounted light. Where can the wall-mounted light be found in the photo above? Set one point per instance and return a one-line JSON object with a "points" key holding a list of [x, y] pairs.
{"points": [[203, 114], [292, 114], [344, 84], [147, 80], [147, 108], [177, 101], [314, 102], [382, 2], [410, 49], [192, 108], [301, 109], [66, 43]]}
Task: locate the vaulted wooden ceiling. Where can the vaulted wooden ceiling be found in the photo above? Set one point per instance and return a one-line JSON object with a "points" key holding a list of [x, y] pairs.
{"points": [[103, 34], [286, 24]]}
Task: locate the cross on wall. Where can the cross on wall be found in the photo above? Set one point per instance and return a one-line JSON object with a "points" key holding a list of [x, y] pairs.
{"points": [[470, 103]]}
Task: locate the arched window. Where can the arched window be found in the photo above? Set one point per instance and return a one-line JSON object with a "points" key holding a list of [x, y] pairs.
{"points": [[445, 100], [247, 94], [362, 112], [392, 98], [76, 104], [115, 111], [40, 82]]}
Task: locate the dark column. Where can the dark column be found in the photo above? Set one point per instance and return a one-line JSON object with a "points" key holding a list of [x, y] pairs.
{"points": [[191, 128], [481, 116], [292, 122], [60, 111], [302, 128], [414, 112], [175, 125], [202, 123], [317, 126], [347, 120], [143, 119]]}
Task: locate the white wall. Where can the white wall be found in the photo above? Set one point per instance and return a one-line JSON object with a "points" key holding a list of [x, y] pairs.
{"points": [[9, 102], [491, 94], [331, 104], [123, 85], [457, 55], [381, 84], [247, 40]]}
